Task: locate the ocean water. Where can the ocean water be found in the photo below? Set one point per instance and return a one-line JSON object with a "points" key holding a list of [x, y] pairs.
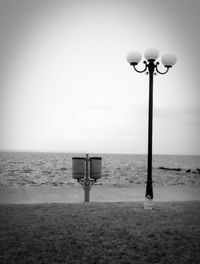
{"points": [[55, 169]]}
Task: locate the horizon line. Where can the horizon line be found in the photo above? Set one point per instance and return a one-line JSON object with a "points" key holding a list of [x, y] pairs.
{"points": [[87, 152]]}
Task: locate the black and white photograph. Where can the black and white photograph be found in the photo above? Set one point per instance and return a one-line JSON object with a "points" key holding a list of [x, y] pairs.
{"points": [[99, 131]]}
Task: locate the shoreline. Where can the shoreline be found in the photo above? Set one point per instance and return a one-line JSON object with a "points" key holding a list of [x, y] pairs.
{"points": [[98, 193]]}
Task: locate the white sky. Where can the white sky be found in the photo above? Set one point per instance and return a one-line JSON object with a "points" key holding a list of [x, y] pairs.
{"points": [[65, 84]]}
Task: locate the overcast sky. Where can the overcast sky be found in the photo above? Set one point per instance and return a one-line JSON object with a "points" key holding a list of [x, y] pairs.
{"points": [[65, 84]]}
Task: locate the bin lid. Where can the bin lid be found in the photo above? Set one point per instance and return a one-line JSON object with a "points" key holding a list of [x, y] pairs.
{"points": [[97, 158]]}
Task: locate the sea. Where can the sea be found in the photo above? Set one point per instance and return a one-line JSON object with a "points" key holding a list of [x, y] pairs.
{"points": [[31, 169]]}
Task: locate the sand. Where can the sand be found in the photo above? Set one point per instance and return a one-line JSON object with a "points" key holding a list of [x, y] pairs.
{"points": [[75, 194]]}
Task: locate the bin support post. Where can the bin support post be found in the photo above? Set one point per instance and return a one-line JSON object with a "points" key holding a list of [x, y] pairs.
{"points": [[87, 195], [87, 181]]}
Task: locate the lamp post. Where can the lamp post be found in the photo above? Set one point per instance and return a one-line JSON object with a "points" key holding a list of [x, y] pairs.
{"points": [[150, 68]]}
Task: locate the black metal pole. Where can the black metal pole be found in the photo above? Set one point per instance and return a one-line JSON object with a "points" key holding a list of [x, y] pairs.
{"points": [[149, 187]]}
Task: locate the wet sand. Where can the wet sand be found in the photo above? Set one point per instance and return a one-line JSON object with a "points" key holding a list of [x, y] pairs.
{"points": [[74, 194]]}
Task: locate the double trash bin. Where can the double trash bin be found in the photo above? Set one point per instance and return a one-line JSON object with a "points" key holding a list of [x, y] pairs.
{"points": [[80, 165]]}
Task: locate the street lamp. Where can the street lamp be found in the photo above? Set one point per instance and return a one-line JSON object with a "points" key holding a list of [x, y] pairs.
{"points": [[150, 68]]}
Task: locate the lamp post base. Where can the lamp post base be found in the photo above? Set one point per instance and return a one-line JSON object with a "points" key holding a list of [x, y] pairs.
{"points": [[148, 203], [149, 189]]}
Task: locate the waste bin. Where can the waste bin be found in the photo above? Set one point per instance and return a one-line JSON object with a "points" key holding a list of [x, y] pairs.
{"points": [[78, 168], [95, 167]]}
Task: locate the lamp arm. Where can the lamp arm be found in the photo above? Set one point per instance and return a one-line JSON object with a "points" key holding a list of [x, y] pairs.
{"points": [[145, 68], [157, 63]]}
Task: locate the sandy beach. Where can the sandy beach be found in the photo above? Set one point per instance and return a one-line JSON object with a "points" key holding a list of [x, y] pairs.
{"points": [[75, 194]]}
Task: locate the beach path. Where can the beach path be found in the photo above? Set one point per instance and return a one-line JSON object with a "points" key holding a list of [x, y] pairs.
{"points": [[75, 194]]}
